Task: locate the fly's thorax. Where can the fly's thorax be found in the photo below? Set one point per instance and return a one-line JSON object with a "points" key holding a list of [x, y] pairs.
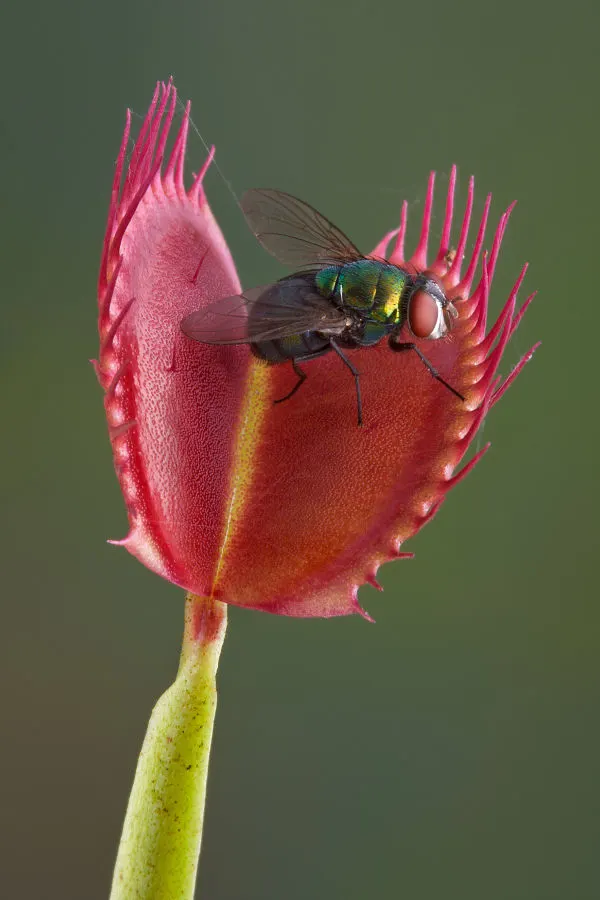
{"points": [[358, 284], [365, 285], [387, 304]]}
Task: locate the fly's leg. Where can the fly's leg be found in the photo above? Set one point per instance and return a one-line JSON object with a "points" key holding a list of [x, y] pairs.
{"points": [[356, 375], [301, 379], [426, 363]]}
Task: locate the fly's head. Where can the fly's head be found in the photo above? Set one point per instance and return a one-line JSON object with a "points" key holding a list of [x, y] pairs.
{"points": [[428, 312]]}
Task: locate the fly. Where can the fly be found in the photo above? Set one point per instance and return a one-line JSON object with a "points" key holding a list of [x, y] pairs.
{"points": [[337, 299]]}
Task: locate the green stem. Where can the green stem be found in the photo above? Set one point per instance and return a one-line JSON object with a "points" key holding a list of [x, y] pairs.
{"points": [[160, 844]]}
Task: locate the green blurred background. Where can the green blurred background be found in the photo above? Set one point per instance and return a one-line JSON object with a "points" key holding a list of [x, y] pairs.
{"points": [[451, 750]]}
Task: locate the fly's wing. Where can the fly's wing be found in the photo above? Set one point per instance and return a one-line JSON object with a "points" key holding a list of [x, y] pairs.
{"points": [[295, 233], [290, 306]]}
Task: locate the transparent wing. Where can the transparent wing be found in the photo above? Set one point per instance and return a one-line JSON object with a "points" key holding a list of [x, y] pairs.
{"points": [[290, 306], [294, 232]]}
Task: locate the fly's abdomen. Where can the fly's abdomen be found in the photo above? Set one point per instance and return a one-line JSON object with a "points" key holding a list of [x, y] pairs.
{"points": [[294, 346]]}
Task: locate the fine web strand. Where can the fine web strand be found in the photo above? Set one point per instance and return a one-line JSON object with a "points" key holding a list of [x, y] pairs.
{"points": [[215, 164]]}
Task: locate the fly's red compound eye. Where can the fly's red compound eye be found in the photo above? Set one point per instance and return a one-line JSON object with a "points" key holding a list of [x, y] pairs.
{"points": [[424, 314]]}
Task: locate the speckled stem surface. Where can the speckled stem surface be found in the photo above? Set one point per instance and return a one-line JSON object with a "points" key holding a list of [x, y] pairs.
{"points": [[160, 844]]}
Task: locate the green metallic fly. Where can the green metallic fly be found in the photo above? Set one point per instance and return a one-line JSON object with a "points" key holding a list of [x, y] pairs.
{"points": [[340, 300]]}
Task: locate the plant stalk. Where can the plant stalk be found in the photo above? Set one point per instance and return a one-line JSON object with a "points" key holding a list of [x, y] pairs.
{"points": [[160, 844]]}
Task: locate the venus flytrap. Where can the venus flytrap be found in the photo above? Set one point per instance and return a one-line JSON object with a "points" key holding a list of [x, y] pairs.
{"points": [[286, 508]]}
